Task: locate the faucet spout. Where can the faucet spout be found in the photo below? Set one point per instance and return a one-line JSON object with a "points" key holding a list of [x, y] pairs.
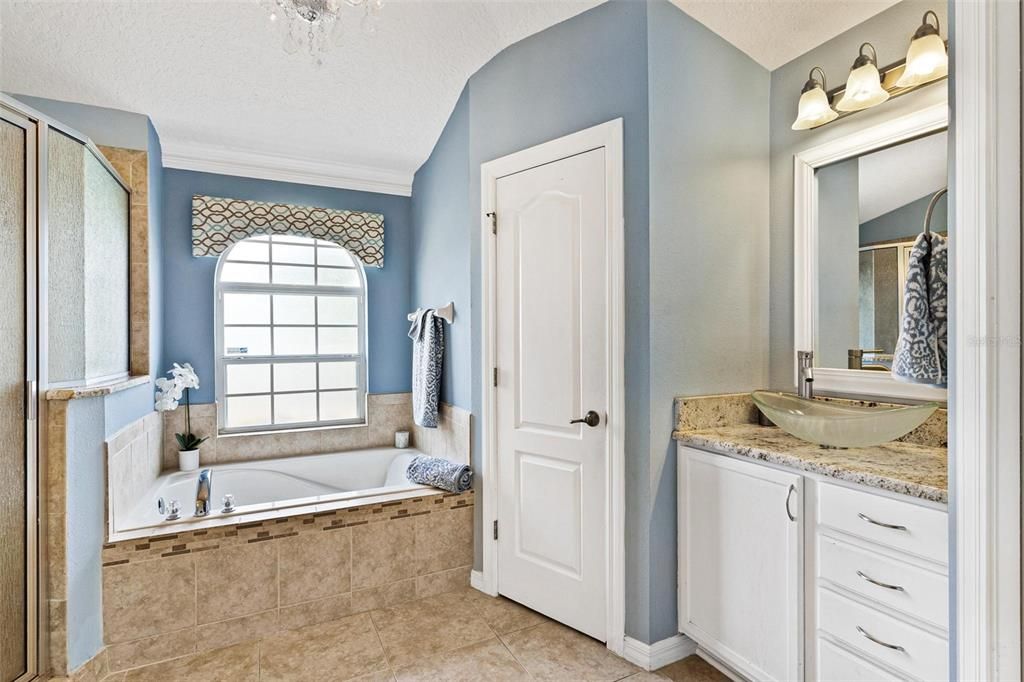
{"points": [[805, 373], [204, 492]]}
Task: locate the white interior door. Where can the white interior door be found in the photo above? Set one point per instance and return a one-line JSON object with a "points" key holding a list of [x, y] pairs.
{"points": [[552, 368]]}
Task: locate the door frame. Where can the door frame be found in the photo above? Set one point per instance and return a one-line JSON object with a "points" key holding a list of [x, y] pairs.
{"points": [[985, 335], [609, 136]]}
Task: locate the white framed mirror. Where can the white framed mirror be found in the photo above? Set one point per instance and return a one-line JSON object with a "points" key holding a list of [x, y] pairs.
{"points": [[858, 201]]}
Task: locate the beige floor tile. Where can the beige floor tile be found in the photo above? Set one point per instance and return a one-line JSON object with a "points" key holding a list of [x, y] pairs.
{"points": [[551, 651], [339, 650], [692, 669], [426, 627], [501, 614], [487, 660], [239, 663], [644, 676]]}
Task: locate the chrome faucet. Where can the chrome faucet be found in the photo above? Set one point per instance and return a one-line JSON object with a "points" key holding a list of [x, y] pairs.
{"points": [[805, 373], [204, 492]]}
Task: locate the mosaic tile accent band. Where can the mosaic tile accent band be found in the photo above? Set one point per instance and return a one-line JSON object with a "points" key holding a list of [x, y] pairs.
{"points": [[217, 223]]}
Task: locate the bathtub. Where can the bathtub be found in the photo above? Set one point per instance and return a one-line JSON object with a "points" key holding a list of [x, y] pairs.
{"points": [[269, 488]]}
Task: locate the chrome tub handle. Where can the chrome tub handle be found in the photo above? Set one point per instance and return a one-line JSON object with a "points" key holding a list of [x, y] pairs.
{"points": [[867, 635], [887, 586], [891, 526]]}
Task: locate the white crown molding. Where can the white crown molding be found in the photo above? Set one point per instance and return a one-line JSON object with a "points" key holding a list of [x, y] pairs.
{"points": [[659, 654], [265, 166]]}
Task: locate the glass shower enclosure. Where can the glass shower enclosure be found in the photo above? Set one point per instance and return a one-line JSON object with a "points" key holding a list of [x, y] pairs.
{"points": [[19, 446]]}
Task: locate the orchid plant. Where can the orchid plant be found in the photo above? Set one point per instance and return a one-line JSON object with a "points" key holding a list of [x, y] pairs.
{"points": [[170, 393]]}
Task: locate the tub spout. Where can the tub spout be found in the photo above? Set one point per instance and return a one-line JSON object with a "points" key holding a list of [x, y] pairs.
{"points": [[204, 492]]}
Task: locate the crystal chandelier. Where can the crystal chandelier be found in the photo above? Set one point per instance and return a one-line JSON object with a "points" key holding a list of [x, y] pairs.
{"points": [[316, 25]]}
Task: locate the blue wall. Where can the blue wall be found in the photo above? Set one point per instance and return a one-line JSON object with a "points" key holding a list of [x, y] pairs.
{"points": [[188, 281], [708, 252], [440, 247], [905, 222]]}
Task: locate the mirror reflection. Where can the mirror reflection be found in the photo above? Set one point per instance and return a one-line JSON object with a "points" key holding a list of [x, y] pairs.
{"points": [[871, 209]]}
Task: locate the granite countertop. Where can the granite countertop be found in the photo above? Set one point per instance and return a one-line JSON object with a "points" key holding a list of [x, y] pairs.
{"points": [[900, 467]]}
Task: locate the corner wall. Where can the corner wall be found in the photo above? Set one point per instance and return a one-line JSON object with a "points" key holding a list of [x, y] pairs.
{"points": [[626, 59]]}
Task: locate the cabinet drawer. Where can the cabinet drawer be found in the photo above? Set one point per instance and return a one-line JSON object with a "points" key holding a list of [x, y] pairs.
{"points": [[836, 664], [920, 654], [901, 525], [911, 589]]}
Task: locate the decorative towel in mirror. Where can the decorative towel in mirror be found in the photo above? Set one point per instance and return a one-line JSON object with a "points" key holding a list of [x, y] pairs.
{"points": [[217, 223]]}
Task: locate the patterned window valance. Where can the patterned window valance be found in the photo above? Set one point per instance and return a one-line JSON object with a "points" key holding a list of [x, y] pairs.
{"points": [[218, 223]]}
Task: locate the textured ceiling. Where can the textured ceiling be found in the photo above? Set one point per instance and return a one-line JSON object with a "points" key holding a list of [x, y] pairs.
{"points": [[774, 32], [894, 177], [213, 75]]}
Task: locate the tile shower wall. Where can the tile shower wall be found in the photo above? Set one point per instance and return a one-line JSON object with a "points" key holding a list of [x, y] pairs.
{"points": [[178, 594], [386, 414]]}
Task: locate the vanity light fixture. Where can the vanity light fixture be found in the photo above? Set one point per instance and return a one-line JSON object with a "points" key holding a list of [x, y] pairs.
{"points": [[814, 108], [864, 86], [926, 58]]}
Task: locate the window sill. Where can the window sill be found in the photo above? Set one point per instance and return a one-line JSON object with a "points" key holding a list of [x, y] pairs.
{"points": [[96, 390], [303, 429]]}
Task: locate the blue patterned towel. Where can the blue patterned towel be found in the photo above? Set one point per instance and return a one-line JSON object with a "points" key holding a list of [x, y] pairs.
{"points": [[427, 334], [440, 473], [920, 355]]}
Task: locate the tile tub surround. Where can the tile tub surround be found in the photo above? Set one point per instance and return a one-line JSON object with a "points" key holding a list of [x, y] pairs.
{"points": [[459, 635], [728, 409], [177, 595], [386, 414], [134, 459]]}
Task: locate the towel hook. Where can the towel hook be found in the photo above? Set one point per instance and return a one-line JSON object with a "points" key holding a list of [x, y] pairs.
{"points": [[931, 208]]}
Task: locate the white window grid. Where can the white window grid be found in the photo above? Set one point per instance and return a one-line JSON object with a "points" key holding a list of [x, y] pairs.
{"points": [[313, 290]]}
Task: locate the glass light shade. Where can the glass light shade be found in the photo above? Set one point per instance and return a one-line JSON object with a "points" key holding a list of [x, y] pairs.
{"points": [[926, 61], [813, 110], [863, 89]]}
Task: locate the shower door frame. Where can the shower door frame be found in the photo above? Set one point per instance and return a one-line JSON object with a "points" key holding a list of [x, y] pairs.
{"points": [[33, 563]]}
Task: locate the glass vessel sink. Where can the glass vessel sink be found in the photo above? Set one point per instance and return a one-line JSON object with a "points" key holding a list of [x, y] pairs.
{"points": [[839, 425]]}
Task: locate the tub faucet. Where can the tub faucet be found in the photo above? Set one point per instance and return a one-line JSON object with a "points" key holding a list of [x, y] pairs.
{"points": [[204, 492], [805, 373]]}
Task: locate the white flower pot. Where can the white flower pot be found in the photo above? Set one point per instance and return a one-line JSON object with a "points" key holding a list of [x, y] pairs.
{"points": [[188, 460]]}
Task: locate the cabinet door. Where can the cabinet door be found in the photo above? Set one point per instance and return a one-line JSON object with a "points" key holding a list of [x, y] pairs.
{"points": [[740, 563]]}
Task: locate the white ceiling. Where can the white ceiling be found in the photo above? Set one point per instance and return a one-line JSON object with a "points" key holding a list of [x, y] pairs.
{"points": [[225, 97], [773, 32], [898, 175], [221, 91]]}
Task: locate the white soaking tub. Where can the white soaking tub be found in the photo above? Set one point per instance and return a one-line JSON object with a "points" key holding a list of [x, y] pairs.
{"points": [[270, 488]]}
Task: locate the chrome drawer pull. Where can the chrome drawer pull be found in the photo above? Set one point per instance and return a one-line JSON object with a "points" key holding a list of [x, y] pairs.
{"points": [[891, 526], [887, 586], [894, 647]]}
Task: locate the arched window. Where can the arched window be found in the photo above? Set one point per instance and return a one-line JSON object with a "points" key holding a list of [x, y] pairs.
{"points": [[291, 335]]}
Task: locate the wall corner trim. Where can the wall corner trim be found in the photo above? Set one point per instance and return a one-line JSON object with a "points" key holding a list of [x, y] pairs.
{"points": [[659, 654], [283, 168]]}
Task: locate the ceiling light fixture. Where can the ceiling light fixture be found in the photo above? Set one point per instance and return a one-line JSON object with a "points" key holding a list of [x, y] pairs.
{"points": [[317, 24], [864, 86], [926, 58], [814, 108]]}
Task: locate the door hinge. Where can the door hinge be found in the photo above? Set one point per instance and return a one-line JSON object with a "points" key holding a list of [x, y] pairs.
{"points": [[495, 529], [495, 376], [494, 222]]}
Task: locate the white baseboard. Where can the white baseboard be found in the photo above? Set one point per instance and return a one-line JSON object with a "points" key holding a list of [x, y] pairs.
{"points": [[658, 654], [476, 580]]}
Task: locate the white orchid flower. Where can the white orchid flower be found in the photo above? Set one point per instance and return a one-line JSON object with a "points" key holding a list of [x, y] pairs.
{"points": [[186, 375]]}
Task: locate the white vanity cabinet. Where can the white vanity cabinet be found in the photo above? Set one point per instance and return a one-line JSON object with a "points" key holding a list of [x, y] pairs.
{"points": [[788, 575], [740, 558]]}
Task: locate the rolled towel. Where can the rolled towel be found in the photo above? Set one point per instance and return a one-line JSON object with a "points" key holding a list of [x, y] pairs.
{"points": [[440, 473]]}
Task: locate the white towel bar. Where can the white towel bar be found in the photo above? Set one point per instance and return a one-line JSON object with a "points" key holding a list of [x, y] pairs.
{"points": [[446, 313]]}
